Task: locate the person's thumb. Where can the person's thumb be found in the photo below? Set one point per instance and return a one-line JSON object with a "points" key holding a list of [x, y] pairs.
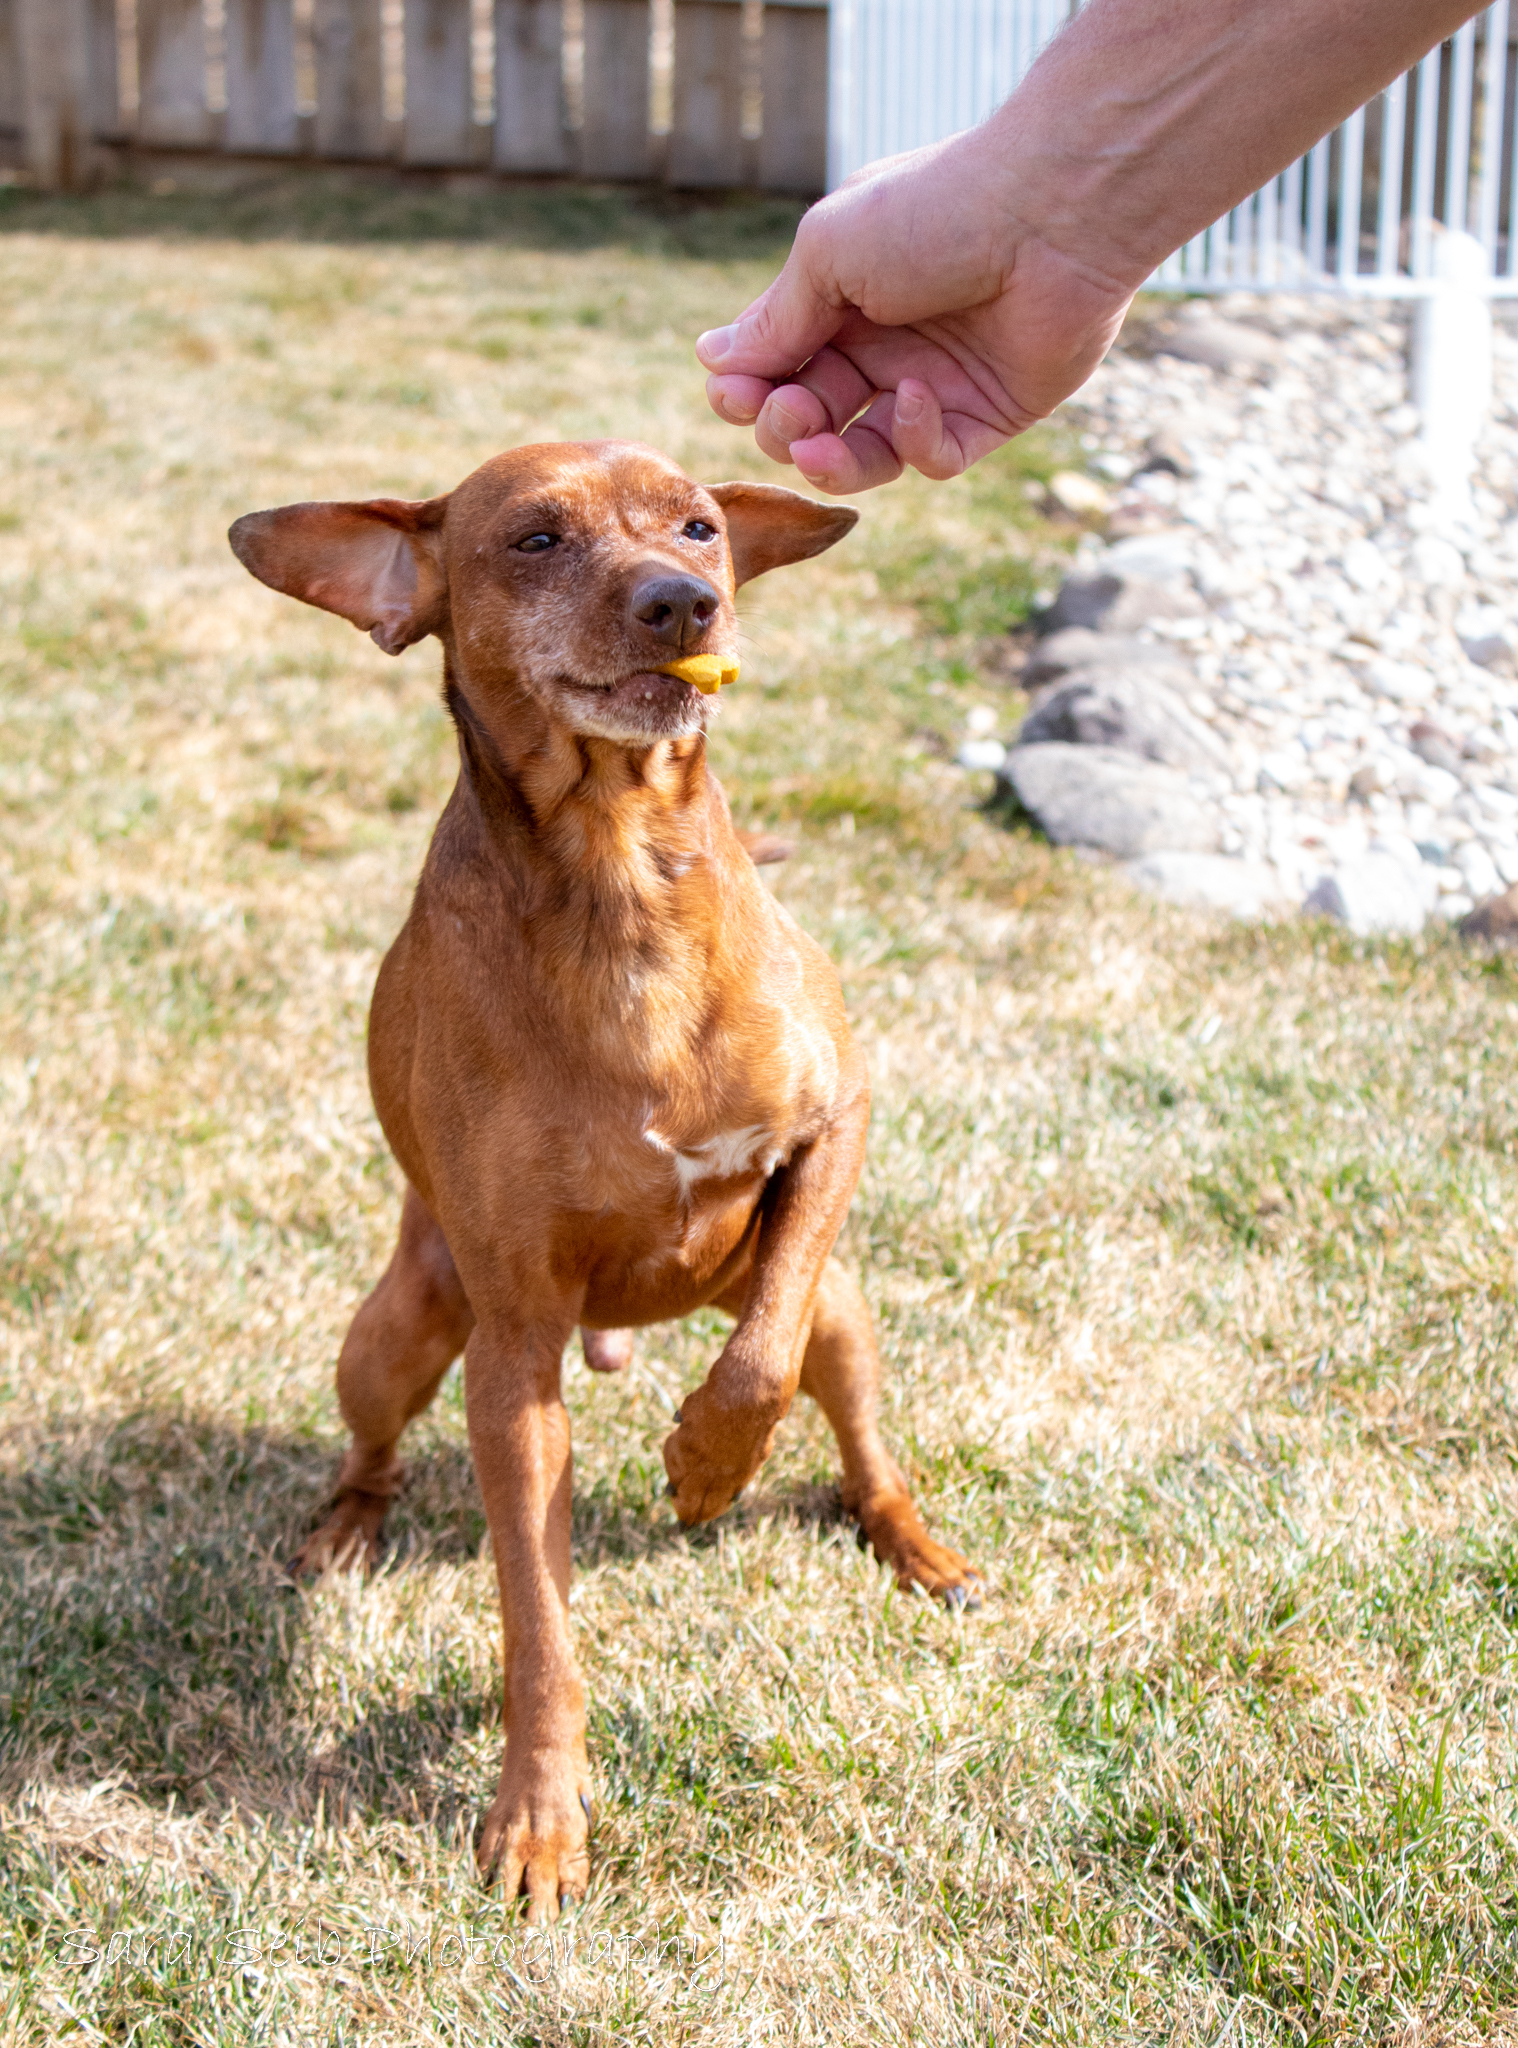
{"points": [[782, 328]]}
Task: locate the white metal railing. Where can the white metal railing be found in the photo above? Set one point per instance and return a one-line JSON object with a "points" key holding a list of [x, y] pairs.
{"points": [[1358, 213]]}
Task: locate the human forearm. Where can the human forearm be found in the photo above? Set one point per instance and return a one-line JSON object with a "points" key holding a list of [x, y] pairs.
{"points": [[1148, 119]]}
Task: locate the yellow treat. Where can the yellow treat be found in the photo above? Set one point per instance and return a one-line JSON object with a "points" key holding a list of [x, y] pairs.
{"points": [[707, 671]]}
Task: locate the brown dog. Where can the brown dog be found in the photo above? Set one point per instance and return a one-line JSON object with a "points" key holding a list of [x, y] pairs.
{"points": [[616, 1074]]}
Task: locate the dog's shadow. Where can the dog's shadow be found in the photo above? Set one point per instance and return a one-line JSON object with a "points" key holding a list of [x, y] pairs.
{"points": [[151, 1637]]}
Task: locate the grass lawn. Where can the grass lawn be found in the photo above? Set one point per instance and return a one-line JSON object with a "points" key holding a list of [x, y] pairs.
{"points": [[1193, 1250]]}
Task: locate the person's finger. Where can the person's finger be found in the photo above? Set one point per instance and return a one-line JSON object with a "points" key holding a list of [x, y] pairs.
{"points": [[859, 459], [822, 399], [791, 413], [787, 323], [918, 434], [976, 437], [738, 400], [839, 383]]}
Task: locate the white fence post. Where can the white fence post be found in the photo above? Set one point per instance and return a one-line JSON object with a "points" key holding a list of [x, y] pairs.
{"points": [[1452, 368]]}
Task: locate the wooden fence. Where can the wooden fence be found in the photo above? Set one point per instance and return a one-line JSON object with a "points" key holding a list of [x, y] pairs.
{"points": [[697, 93]]}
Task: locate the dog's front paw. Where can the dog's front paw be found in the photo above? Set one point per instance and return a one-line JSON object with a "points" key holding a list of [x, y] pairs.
{"points": [[536, 1837], [714, 1454]]}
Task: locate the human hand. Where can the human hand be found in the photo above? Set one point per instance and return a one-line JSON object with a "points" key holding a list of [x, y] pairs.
{"points": [[916, 322]]}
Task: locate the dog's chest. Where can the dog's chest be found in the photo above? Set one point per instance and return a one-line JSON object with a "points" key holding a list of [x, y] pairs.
{"points": [[725, 1155], [697, 1138]]}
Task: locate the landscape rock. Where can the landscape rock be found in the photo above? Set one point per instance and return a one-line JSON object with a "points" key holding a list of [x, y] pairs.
{"points": [[1491, 650], [1210, 881], [1494, 923], [1376, 893], [1486, 638], [1434, 746], [1111, 603], [1274, 563], [1478, 869], [1059, 653], [1102, 797], [1167, 452], [1221, 345], [1164, 554], [1131, 709], [982, 753], [1403, 682], [1078, 496], [1438, 562]]}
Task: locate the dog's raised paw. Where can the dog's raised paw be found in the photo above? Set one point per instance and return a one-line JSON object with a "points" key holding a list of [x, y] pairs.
{"points": [[713, 1454]]}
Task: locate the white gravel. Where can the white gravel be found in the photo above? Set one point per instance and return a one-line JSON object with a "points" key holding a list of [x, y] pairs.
{"points": [[1338, 623]]}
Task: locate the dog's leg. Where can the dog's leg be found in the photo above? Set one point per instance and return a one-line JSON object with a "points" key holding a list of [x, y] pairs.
{"points": [[728, 1423], [841, 1372], [535, 1838], [401, 1342]]}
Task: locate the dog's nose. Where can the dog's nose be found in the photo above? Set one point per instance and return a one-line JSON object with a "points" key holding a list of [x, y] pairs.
{"points": [[675, 609]]}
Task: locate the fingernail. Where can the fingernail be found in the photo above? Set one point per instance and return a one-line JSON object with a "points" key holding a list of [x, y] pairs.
{"points": [[712, 346], [909, 407]]}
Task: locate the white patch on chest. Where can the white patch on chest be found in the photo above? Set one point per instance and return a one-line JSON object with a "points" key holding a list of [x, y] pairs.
{"points": [[750, 1149]]}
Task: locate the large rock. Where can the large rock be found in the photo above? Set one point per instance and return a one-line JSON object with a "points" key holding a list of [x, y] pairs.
{"points": [[1378, 892], [1132, 709], [1209, 881], [1107, 602], [1222, 345], [1100, 796], [1165, 554], [1494, 923], [1479, 870], [1057, 654], [1490, 650]]}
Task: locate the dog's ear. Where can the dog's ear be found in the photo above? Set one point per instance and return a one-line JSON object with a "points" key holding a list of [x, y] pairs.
{"points": [[768, 526], [377, 564]]}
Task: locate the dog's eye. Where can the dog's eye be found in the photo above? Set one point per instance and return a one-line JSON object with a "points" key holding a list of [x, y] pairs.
{"points": [[537, 543], [697, 529]]}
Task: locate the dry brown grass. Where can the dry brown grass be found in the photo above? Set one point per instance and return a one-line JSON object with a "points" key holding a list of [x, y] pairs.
{"points": [[1193, 1251]]}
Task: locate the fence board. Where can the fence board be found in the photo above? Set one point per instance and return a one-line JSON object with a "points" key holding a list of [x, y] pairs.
{"points": [[261, 115], [55, 103], [171, 71], [105, 92], [439, 108], [614, 142], [350, 101], [10, 69], [706, 145], [529, 86], [793, 150], [52, 46]]}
